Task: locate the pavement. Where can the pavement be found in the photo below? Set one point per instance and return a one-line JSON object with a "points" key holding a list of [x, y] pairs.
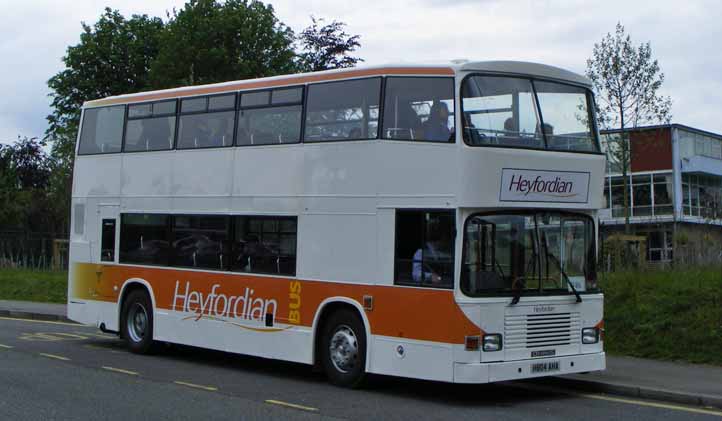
{"points": [[32, 310], [689, 384]]}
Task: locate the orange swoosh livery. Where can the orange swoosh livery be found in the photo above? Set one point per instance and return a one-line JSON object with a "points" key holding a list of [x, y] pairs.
{"points": [[403, 312]]}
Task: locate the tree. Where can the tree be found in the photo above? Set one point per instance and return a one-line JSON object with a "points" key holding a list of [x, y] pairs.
{"points": [[626, 80], [209, 41], [23, 182], [327, 47], [112, 58]]}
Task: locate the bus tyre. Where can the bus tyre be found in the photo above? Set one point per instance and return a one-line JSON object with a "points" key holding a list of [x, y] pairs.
{"points": [[136, 326], [343, 349]]}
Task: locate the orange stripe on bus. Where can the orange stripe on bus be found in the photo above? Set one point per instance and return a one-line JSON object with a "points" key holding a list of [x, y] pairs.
{"points": [[413, 313], [259, 84]]}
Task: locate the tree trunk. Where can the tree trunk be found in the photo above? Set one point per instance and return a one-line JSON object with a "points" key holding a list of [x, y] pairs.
{"points": [[626, 160]]}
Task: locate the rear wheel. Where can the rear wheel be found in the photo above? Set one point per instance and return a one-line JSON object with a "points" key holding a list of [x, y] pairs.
{"points": [[344, 349], [137, 322]]}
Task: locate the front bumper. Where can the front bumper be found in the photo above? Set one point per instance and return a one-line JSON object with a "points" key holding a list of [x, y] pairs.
{"points": [[522, 369]]}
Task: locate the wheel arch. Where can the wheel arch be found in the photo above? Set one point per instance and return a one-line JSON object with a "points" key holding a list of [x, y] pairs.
{"points": [[326, 308], [128, 286]]}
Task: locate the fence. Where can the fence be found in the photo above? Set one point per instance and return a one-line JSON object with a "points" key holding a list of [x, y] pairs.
{"points": [[33, 250]]}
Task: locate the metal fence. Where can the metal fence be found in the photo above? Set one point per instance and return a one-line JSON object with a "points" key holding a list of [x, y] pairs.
{"points": [[33, 250]]}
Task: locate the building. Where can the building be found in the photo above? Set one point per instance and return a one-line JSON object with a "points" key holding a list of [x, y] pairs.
{"points": [[674, 186]]}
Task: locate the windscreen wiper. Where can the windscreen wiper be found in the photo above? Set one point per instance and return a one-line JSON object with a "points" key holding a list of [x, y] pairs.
{"points": [[566, 278]]}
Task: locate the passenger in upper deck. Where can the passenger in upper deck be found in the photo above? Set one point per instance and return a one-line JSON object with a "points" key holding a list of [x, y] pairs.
{"points": [[436, 127]]}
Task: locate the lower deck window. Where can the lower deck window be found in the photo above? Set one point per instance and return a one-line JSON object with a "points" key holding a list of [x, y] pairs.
{"points": [[425, 248], [252, 244], [144, 239], [265, 245], [200, 241]]}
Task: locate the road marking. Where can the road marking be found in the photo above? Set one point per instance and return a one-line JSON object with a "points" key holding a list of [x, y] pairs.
{"points": [[196, 386], [57, 357], [52, 336], [5, 346], [98, 335], [651, 404], [39, 321], [120, 370], [291, 405]]}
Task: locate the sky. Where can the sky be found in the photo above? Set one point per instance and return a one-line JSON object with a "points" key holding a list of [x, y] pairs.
{"points": [[685, 38]]}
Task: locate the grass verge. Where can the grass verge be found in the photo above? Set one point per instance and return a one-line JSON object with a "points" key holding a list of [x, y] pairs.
{"points": [[32, 285], [666, 315]]}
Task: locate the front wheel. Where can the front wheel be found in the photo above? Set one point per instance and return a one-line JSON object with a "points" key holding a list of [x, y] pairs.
{"points": [[344, 349], [136, 325]]}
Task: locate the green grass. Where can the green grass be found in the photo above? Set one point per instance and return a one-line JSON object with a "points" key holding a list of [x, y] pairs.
{"points": [[31, 285], [666, 315]]}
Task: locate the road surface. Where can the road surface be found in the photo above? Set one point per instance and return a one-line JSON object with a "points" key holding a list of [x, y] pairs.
{"points": [[51, 370]]}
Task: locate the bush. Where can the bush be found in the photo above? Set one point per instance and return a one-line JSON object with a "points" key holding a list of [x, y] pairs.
{"points": [[670, 315]]}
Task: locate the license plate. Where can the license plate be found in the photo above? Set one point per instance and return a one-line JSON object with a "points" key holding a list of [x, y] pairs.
{"points": [[545, 367]]}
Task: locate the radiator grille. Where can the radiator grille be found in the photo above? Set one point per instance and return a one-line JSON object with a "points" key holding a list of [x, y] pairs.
{"points": [[541, 330]]}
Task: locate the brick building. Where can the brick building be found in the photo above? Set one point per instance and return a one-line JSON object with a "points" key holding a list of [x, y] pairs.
{"points": [[675, 186]]}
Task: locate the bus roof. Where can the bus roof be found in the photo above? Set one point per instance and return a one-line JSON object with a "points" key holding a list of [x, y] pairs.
{"points": [[415, 69]]}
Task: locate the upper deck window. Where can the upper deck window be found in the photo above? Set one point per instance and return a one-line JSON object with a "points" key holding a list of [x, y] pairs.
{"points": [[150, 127], [102, 130], [206, 122], [419, 108], [270, 117], [346, 110], [565, 110], [520, 112]]}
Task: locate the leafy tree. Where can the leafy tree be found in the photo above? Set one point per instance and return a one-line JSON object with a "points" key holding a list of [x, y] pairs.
{"points": [[209, 41], [206, 41], [327, 47], [627, 81], [112, 58], [25, 174]]}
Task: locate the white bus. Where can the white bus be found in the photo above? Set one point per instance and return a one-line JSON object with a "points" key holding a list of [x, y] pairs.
{"points": [[426, 221]]}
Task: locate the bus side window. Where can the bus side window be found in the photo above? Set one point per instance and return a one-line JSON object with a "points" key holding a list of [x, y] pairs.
{"points": [[424, 253], [107, 241], [419, 108]]}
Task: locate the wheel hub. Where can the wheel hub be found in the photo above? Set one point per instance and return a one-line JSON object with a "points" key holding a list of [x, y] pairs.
{"points": [[137, 322], [343, 349]]}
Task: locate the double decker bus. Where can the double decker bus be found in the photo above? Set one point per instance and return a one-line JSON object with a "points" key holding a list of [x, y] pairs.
{"points": [[425, 221]]}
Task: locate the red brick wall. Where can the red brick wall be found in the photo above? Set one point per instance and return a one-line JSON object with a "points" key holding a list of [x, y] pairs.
{"points": [[651, 150]]}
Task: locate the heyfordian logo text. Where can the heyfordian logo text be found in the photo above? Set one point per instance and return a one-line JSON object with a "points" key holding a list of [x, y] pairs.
{"points": [[522, 185], [539, 185], [217, 304]]}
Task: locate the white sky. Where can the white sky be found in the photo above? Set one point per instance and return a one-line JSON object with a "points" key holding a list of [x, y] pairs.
{"points": [[685, 39]]}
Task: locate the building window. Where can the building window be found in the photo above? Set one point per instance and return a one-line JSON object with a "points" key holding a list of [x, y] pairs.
{"points": [[150, 127], [425, 248], [265, 244], [642, 195], [347, 110], [659, 245], [419, 108], [663, 194], [617, 192], [144, 239]]}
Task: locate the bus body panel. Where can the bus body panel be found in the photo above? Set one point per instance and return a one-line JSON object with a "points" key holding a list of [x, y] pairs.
{"points": [[345, 196]]}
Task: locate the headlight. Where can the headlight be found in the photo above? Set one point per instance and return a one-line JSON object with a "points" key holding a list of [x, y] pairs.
{"points": [[492, 342], [590, 335]]}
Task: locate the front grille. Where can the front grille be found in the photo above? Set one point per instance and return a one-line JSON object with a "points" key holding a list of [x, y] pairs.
{"points": [[541, 330]]}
